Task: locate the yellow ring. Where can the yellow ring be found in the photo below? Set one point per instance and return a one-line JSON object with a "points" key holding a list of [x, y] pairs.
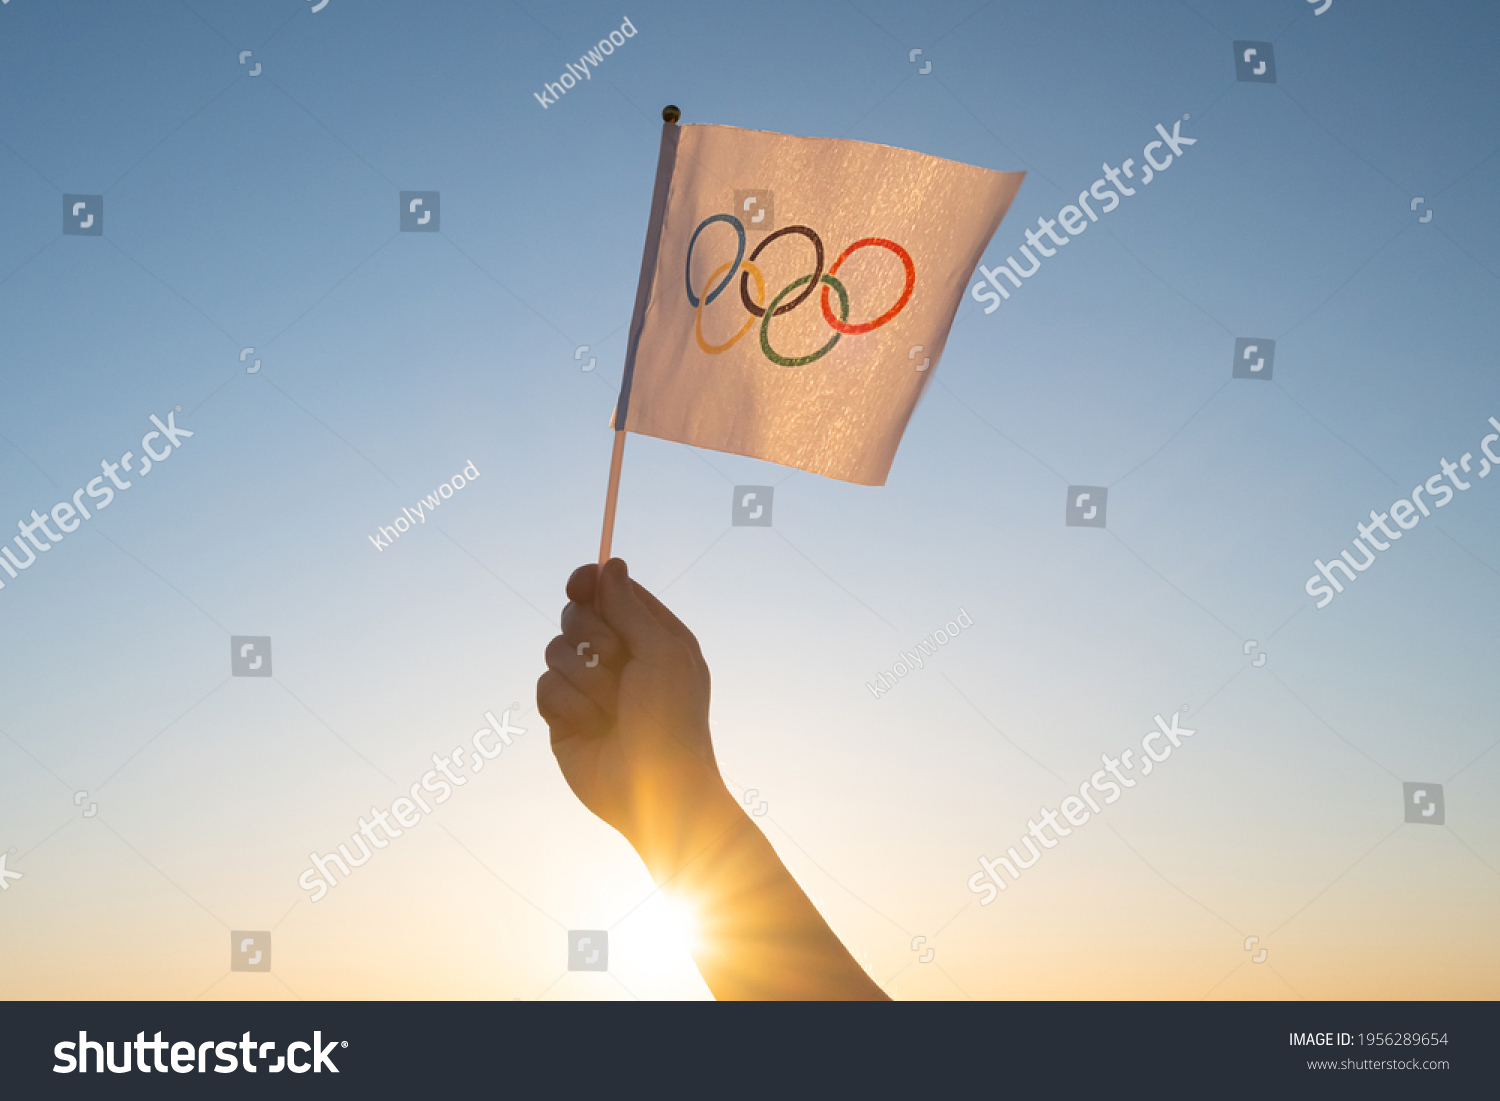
{"points": [[760, 294]]}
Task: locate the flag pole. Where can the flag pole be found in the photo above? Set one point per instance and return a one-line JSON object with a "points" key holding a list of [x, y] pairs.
{"points": [[615, 462], [666, 159]]}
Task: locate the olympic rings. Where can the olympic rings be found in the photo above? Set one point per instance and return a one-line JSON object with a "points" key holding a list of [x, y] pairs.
{"points": [[772, 311], [760, 290], [911, 283], [687, 267], [713, 286], [794, 303]]}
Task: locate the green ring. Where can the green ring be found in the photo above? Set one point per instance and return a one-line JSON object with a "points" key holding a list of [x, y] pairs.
{"points": [[765, 325]]}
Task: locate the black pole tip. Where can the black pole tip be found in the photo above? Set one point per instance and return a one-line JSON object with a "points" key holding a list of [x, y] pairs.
{"points": [[670, 113]]}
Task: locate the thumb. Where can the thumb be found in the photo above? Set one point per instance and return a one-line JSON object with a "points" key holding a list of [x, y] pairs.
{"points": [[625, 612]]}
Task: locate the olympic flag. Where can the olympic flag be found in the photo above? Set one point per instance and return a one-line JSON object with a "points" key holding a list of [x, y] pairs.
{"points": [[796, 293]]}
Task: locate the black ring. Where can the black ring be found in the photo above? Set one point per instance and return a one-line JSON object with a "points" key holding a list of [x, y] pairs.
{"points": [[812, 285]]}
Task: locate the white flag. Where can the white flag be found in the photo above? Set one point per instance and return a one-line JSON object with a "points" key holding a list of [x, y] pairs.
{"points": [[796, 293]]}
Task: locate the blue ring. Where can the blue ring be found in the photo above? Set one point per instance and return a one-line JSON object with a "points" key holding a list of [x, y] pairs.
{"points": [[735, 267]]}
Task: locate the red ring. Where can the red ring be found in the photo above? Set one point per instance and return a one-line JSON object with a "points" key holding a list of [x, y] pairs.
{"points": [[911, 283]]}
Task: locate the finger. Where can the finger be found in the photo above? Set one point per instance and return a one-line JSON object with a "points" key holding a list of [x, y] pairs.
{"points": [[625, 611], [598, 682], [568, 712], [664, 614], [589, 635], [581, 583]]}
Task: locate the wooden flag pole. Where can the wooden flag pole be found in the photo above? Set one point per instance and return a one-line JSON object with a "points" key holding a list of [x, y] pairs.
{"points": [[664, 163], [613, 493]]}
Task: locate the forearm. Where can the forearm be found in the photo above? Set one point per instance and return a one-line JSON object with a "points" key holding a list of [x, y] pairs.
{"points": [[756, 933], [630, 730]]}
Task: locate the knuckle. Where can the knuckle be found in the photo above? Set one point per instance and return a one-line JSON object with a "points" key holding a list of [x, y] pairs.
{"points": [[680, 655]]}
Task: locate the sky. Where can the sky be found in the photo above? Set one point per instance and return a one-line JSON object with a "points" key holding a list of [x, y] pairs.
{"points": [[157, 806]]}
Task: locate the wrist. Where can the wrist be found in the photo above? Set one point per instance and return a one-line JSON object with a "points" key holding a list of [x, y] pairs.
{"points": [[701, 816]]}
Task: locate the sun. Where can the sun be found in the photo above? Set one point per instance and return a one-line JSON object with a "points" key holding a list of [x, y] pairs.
{"points": [[666, 927]]}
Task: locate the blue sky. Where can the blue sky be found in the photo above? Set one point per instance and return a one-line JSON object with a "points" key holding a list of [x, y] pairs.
{"points": [[261, 212]]}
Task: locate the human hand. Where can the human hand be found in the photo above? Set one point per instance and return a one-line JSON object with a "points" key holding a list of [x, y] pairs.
{"points": [[626, 696]]}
